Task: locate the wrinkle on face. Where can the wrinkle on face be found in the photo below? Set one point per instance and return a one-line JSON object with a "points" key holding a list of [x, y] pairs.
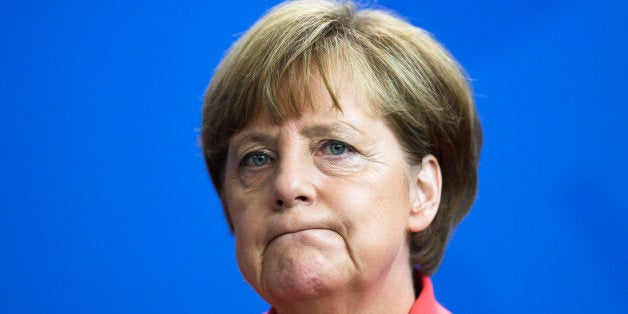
{"points": [[359, 196]]}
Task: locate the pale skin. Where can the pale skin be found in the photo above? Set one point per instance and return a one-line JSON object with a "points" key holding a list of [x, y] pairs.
{"points": [[322, 206]]}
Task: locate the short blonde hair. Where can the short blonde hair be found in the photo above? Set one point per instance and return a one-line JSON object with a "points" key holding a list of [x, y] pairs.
{"points": [[408, 78]]}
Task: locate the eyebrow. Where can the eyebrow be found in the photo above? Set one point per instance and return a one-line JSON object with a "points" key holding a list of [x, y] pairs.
{"points": [[312, 131], [255, 137], [325, 129]]}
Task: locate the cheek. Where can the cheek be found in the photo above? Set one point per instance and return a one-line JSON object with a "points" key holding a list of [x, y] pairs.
{"points": [[248, 251], [384, 187], [374, 199], [246, 222], [372, 213], [242, 204], [243, 193], [377, 198]]}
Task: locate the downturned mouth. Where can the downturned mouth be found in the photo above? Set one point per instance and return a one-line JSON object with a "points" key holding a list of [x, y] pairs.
{"points": [[293, 232]]}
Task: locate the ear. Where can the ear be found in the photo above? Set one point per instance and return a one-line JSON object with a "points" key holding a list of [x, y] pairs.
{"points": [[425, 191]]}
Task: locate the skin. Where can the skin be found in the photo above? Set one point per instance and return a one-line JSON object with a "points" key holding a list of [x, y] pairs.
{"points": [[322, 206]]}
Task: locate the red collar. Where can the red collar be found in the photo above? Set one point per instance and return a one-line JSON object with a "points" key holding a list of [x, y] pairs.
{"points": [[426, 302]]}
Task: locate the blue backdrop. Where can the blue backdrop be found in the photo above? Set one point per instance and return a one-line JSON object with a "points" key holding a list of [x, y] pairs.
{"points": [[105, 205]]}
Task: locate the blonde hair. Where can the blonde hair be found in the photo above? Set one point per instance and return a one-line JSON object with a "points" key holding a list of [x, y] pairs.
{"points": [[408, 78]]}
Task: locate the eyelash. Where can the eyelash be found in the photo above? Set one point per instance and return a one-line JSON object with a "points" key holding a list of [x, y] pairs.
{"points": [[323, 146], [329, 143], [244, 162]]}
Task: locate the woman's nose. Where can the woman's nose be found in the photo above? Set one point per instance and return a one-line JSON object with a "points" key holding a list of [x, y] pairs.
{"points": [[293, 183]]}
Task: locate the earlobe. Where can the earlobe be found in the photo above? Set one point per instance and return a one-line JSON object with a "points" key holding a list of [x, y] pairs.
{"points": [[425, 188]]}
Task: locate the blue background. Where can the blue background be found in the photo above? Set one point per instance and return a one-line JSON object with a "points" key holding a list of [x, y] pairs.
{"points": [[106, 207]]}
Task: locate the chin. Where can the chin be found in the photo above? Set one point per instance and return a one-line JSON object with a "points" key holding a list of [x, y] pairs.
{"points": [[303, 286], [306, 275]]}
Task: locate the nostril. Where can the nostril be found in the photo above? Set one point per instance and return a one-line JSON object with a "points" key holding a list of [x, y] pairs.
{"points": [[302, 198], [279, 203]]}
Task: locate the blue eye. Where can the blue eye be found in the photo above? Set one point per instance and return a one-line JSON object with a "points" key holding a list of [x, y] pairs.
{"points": [[336, 148], [254, 159]]}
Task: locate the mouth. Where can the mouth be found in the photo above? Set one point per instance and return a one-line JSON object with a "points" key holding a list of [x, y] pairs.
{"points": [[293, 232]]}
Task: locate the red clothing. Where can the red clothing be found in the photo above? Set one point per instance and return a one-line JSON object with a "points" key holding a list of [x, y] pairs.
{"points": [[426, 302]]}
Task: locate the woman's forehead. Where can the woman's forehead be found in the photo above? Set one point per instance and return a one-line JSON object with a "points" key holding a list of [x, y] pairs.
{"points": [[353, 118]]}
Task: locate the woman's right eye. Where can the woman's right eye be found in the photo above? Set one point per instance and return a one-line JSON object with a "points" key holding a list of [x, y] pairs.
{"points": [[255, 159]]}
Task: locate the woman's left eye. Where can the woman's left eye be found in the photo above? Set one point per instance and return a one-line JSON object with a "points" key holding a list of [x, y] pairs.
{"points": [[336, 148]]}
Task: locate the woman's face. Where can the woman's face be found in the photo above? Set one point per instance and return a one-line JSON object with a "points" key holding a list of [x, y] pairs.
{"points": [[322, 203]]}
